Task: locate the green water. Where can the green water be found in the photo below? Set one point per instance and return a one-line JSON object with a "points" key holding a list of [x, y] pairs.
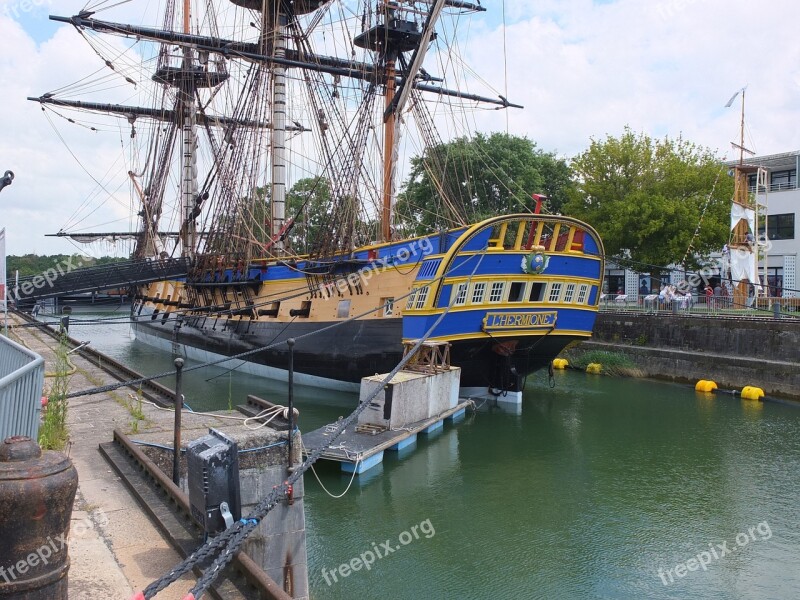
{"points": [[594, 488]]}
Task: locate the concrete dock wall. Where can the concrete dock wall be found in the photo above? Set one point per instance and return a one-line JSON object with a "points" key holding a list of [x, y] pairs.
{"points": [[733, 352]]}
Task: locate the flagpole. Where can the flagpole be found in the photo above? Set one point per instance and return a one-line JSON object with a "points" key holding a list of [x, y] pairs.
{"points": [[3, 279]]}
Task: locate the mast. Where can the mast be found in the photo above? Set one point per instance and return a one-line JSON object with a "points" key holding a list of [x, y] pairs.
{"points": [[189, 187], [388, 155], [747, 224], [390, 39], [278, 138], [741, 132], [403, 27]]}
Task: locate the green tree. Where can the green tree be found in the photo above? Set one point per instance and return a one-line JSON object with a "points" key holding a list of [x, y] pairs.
{"points": [[308, 202], [646, 197], [469, 179], [34, 264]]}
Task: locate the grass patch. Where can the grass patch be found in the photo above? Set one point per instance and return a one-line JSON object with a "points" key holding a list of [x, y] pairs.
{"points": [[53, 433], [614, 363], [134, 406]]}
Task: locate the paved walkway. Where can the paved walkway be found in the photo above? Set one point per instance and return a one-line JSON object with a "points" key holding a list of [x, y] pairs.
{"points": [[114, 547]]}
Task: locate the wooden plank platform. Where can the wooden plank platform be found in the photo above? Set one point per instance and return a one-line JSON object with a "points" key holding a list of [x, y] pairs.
{"points": [[353, 447]]}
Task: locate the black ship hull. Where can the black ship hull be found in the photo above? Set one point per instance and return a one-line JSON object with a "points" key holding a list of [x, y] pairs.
{"points": [[338, 357]]}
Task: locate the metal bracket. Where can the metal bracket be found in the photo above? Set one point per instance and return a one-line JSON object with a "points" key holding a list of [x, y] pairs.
{"points": [[226, 515]]}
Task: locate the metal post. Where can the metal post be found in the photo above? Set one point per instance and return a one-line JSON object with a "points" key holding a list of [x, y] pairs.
{"points": [[290, 342], [776, 309], [176, 440]]}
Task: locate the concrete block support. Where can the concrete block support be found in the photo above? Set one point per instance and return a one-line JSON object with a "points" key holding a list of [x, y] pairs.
{"points": [[278, 545], [409, 397]]}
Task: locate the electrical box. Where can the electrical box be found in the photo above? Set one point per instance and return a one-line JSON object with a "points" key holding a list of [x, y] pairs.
{"points": [[213, 480]]}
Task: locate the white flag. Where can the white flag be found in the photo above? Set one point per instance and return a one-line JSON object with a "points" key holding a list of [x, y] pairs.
{"points": [[3, 266]]}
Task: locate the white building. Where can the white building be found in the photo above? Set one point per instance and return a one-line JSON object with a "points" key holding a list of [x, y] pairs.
{"points": [[782, 200]]}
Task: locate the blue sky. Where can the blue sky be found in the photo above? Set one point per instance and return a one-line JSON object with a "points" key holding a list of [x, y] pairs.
{"points": [[583, 69]]}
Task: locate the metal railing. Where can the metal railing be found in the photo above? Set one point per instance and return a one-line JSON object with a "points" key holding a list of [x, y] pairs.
{"points": [[701, 305], [21, 383], [778, 186]]}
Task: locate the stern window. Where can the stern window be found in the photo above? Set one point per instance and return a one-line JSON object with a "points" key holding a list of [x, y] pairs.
{"points": [[478, 291], [516, 292], [555, 292], [537, 291], [460, 295], [569, 293], [411, 299], [496, 295], [422, 296]]}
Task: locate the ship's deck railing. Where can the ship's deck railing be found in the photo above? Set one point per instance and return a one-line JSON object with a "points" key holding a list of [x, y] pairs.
{"points": [[21, 383], [125, 274]]}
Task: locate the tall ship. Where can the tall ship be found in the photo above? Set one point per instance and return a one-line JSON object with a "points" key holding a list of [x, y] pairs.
{"points": [[270, 134]]}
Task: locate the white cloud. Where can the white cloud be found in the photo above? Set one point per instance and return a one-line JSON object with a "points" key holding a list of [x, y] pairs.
{"points": [[587, 69], [582, 69]]}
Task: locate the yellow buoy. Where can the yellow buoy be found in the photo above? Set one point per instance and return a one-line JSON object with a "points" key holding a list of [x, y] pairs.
{"points": [[560, 363], [706, 386], [752, 393], [594, 368]]}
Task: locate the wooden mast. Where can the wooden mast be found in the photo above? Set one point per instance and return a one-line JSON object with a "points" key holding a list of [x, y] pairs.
{"points": [[739, 235], [189, 188], [388, 154], [394, 105]]}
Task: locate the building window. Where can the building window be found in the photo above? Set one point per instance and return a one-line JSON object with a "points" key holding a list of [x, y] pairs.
{"points": [[783, 180], [751, 182], [615, 282], [422, 296], [555, 292], [780, 227], [496, 294], [388, 306], [460, 295], [582, 291], [775, 279], [569, 293], [478, 290], [516, 292]]}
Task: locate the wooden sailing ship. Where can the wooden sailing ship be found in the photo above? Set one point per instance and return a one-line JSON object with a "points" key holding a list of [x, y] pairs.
{"points": [[508, 293]]}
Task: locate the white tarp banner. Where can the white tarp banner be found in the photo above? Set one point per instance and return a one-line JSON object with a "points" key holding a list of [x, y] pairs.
{"points": [[739, 212], [743, 266], [3, 267]]}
